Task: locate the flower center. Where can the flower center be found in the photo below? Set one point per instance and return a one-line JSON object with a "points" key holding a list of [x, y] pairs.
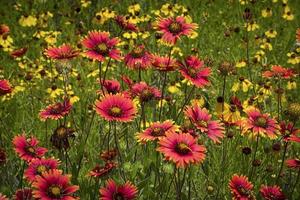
{"points": [[202, 123], [175, 27], [137, 52], [182, 148], [54, 191], [56, 109], [158, 131], [192, 72], [261, 122], [30, 150], [146, 95], [115, 111], [61, 132], [102, 48], [118, 196], [40, 169], [242, 191]]}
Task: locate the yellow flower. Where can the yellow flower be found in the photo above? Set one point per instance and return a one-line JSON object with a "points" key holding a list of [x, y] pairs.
{"points": [[266, 45], [134, 9], [291, 84], [104, 15], [287, 14], [243, 84], [174, 88], [231, 114], [28, 21], [143, 34], [252, 26], [266, 12], [259, 55], [240, 64], [6, 42], [293, 58], [130, 35], [85, 3], [55, 92], [200, 102], [271, 33]]}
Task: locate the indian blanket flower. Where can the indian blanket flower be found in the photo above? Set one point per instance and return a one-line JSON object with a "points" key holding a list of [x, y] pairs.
{"points": [[138, 58], [100, 171], [164, 63], [112, 191], [182, 149], [279, 72], [124, 24], [38, 167], [145, 92], [116, 107], [18, 52], [241, 188], [23, 194], [100, 46], [293, 163], [53, 185], [271, 192], [109, 155], [111, 86], [27, 148], [193, 70], [5, 87], [3, 197], [56, 111], [156, 131], [173, 28], [63, 52], [289, 132], [260, 124], [201, 119]]}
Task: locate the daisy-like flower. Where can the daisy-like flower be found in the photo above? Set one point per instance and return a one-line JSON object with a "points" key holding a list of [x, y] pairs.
{"points": [[63, 52], [156, 131], [27, 148], [164, 63], [100, 46], [124, 24], [116, 108], [38, 166], [173, 28], [271, 192], [56, 111], [182, 149], [289, 132], [109, 155], [3, 197], [293, 163], [193, 69], [4, 29], [241, 188], [18, 52], [279, 72], [111, 86], [260, 124], [23, 194], [145, 92], [203, 122], [99, 171], [112, 191], [5, 87], [53, 185], [138, 58]]}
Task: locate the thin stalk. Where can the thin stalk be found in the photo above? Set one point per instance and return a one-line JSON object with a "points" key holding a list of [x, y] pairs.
{"points": [[283, 158], [185, 102], [296, 183], [162, 94], [254, 156]]}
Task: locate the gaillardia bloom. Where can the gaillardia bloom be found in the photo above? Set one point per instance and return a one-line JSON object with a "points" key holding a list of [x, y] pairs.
{"points": [[181, 148], [271, 193], [38, 166], [201, 119], [112, 191], [23, 194], [241, 188], [100, 46], [164, 63], [27, 148], [100, 171], [18, 52], [3, 197], [53, 185], [279, 72], [116, 108], [63, 52], [138, 58], [193, 69], [56, 111], [145, 92], [260, 124], [173, 28], [124, 24], [156, 131], [111, 86], [5, 87], [293, 163]]}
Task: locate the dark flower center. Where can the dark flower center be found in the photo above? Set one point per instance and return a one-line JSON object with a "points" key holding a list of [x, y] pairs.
{"points": [[41, 168], [202, 123], [54, 191], [61, 132], [137, 52], [182, 148], [102, 48], [30, 150], [261, 122], [56, 109], [118, 196], [175, 27], [146, 95], [242, 191], [115, 111], [192, 72], [158, 131]]}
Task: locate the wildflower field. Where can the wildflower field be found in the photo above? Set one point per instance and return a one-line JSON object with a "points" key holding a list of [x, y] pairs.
{"points": [[160, 100]]}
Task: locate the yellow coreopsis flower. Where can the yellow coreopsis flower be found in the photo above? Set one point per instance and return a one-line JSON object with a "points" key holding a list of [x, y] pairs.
{"points": [[134, 9], [55, 92], [252, 26], [85, 3], [28, 21], [287, 14], [243, 84], [130, 35], [266, 12], [293, 58], [271, 33], [266, 45], [291, 85], [231, 114], [174, 88], [241, 64]]}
